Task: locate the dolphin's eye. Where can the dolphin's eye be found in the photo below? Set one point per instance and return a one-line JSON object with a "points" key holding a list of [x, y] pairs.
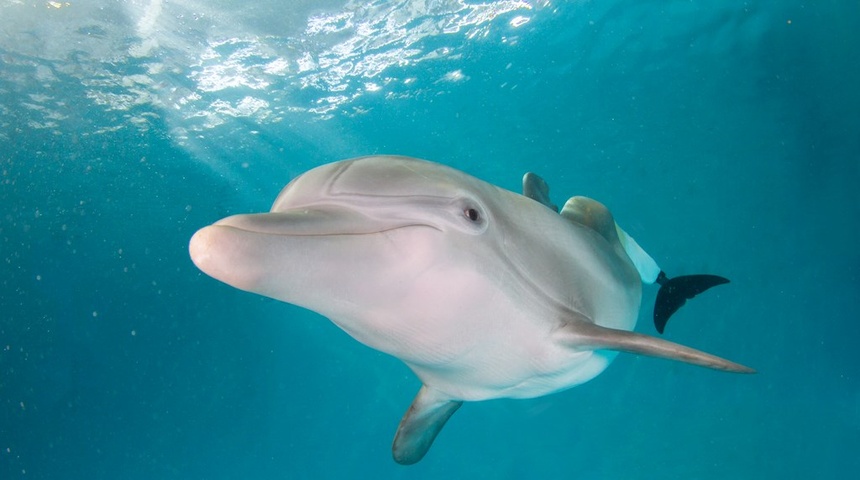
{"points": [[472, 214], [469, 216]]}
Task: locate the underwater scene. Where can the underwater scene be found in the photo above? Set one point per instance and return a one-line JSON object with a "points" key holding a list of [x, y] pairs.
{"points": [[723, 136]]}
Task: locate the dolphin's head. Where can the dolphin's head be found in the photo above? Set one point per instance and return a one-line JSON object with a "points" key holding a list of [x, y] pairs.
{"points": [[353, 234], [370, 195]]}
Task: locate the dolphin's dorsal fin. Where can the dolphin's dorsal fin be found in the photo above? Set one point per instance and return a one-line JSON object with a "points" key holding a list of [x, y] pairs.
{"points": [[537, 189], [592, 214], [421, 423], [582, 210]]}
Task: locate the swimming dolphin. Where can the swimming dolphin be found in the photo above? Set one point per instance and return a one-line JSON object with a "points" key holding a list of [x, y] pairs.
{"points": [[482, 292]]}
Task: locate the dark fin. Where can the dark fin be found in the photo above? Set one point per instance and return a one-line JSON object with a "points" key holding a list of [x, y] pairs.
{"points": [[674, 293], [421, 423], [594, 215], [586, 335], [536, 188]]}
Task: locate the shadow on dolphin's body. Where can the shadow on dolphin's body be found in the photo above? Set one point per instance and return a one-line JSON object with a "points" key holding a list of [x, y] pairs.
{"points": [[482, 292]]}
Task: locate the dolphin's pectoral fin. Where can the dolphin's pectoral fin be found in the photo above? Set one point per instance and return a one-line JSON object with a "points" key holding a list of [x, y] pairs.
{"points": [[537, 189], [582, 334], [421, 423], [674, 293]]}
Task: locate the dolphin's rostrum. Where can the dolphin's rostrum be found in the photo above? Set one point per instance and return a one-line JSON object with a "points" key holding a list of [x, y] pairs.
{"points": [[482, 292]]}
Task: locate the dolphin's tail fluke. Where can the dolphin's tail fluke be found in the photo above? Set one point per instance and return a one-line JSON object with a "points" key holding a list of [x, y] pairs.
{"points": [[674, 293]]}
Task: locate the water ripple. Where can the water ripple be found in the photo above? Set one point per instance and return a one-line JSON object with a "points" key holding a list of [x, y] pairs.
{"points": [[202, 65]]}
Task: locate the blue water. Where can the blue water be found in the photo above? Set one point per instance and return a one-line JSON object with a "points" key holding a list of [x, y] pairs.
{"points": [[725, 136]]}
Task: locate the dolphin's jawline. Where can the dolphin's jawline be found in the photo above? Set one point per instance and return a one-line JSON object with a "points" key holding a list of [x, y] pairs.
{"points": [[282, 223], [344, 234]]}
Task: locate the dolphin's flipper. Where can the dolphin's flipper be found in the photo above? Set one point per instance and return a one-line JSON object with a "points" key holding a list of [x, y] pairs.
{"points": [[421, 423], [674, 293], [582, 334], [537, 189]]}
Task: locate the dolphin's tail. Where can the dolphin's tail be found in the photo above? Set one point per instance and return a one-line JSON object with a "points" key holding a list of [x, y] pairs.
{"points": [[674, 293]]}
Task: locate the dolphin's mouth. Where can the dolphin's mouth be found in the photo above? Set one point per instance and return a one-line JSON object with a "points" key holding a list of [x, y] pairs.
{"points": [[318, 221], [245, 250]]}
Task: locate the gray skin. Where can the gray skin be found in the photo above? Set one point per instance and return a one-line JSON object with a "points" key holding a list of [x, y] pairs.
{"points": [[482, 292]]}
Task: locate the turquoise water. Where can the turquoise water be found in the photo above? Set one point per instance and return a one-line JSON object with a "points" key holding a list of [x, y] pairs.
{"points": [[725, 136]]}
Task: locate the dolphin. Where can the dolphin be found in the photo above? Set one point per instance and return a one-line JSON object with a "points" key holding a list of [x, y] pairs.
{"points": [[484, 293]]}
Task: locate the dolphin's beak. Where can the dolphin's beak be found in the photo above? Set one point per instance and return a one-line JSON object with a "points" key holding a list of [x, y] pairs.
{"points": [[258, 252]]}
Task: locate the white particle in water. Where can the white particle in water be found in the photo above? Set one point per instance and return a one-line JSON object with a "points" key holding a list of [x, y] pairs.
{"points": [[519, 21]]}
